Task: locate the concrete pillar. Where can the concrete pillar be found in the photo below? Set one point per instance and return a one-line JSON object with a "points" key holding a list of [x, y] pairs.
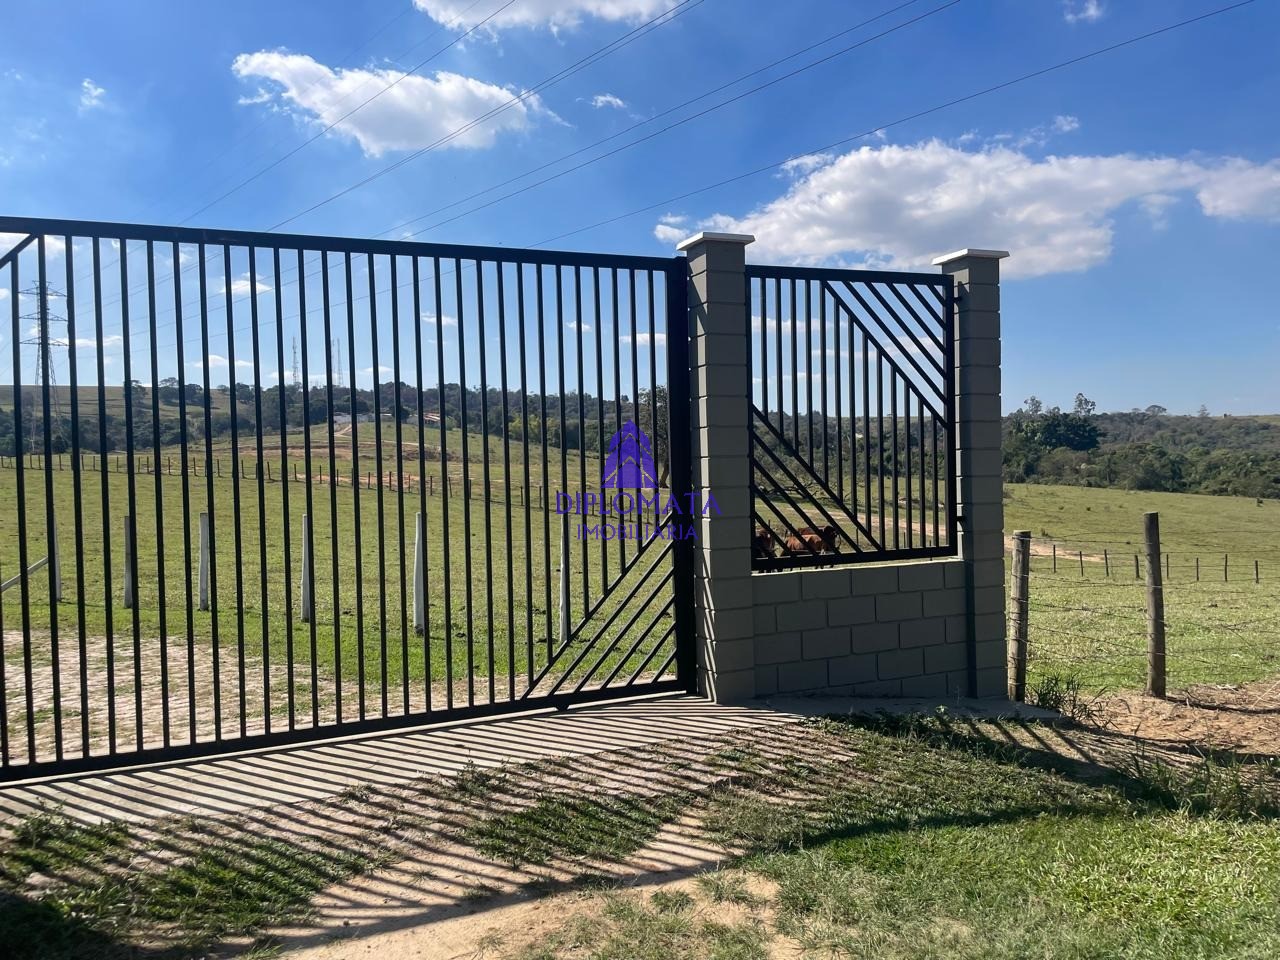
{"points": [[979, 486], [720, 391]]}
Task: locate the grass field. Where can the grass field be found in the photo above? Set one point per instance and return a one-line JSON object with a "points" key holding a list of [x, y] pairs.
{"points": [[1091, 626]]}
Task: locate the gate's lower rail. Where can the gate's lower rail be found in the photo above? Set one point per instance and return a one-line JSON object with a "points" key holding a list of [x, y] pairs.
{"points": [[207, 610]]}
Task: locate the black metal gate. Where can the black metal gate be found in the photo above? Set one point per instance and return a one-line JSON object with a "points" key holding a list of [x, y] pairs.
{"points": [[271, 488]]}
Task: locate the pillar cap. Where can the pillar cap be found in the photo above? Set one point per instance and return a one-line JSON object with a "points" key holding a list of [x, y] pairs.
{"points": [[970, 252], [742, 238]]}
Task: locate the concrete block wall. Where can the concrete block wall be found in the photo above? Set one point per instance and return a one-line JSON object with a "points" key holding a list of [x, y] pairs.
{"points": [[931, 628], [889, 630]]}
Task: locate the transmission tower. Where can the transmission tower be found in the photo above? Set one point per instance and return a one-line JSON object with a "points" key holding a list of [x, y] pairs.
{"points": [[338, 356], [297, 379], [43, 341]]}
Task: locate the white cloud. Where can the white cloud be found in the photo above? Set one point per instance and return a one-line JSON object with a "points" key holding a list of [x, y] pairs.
{"points": [[1065, 123], [666, 233], [643, 340], [1082, 11], [90, 94], [4, 294], [382, 371], [241, 286], [534, 13], [608, 100], [413, 114], [806, 164], [262, 96], [899, 206]]}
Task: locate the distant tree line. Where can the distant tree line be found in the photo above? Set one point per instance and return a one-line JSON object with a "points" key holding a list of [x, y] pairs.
{"points": [[1147, 449]]}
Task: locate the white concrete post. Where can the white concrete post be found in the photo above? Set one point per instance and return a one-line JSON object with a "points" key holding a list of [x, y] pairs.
{"points": [[204, 561], [306, 593], [720, 391], [56, 561], [980, 501], [129, 573], [564, 580], [420, 573]]}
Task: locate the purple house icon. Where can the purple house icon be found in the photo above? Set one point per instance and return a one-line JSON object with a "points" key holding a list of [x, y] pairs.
{"points": [[630, 460]]}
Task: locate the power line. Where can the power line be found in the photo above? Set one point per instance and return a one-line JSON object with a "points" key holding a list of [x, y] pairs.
{"points": [[925, 112], [901, 120], [661, 20], [678, 123], [302, 146]]}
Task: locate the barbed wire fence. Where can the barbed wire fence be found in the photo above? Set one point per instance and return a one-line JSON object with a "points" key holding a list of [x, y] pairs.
{"points": [[1080, 616]]}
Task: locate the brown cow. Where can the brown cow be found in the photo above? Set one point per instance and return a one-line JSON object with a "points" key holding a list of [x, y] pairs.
{"points": [[762, 543], [812, 541]]}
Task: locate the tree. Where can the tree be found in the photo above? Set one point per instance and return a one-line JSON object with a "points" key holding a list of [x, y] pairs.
{"points": [[1084, 407], [1033, 405], [1155, 410], [1203, 411]]}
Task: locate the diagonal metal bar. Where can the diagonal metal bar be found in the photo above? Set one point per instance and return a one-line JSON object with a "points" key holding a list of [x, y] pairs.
{"points": [[631, 652], [893, 337], [896, 290], [868, 337], [816, 479]]}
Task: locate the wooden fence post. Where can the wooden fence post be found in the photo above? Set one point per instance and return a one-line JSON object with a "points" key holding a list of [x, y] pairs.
{"points": [[1257, 576], [1155, 608], [204, 561], [129, 598], [1081, 563], [1225, 558], [1137, 568], [419, 573], [1055, 558], [1106, 563], [1197, 569], [304, 599], [1018, 610]]}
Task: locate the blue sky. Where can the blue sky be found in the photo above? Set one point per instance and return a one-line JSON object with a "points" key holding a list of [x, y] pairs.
{"points": [[1139, 192]]}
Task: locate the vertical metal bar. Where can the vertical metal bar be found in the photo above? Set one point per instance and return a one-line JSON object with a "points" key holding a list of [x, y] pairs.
{"points": [[420, 390], [933, 422], [617, 390], [186, 489], [582, 428], [260, 431], [826, 426], [776, 283], [524, 444], [764, 348], [949, 334], [506, 479], [866, 424], [653, 363], [893, 417], [209, 498], [330, 410], [444, 493], [880, 438], [906, 403], [235, 476], [808, 367], [50, 521], [566, 607], [77, 491], [795, 373], [488, 496], [677, 316], [398, 399], [378, 463], [131, 548], [546, 470], [284, 488], [355, 482], [20, 477], [308, 544], [106, 506], [466, 482], [601, 443]]}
